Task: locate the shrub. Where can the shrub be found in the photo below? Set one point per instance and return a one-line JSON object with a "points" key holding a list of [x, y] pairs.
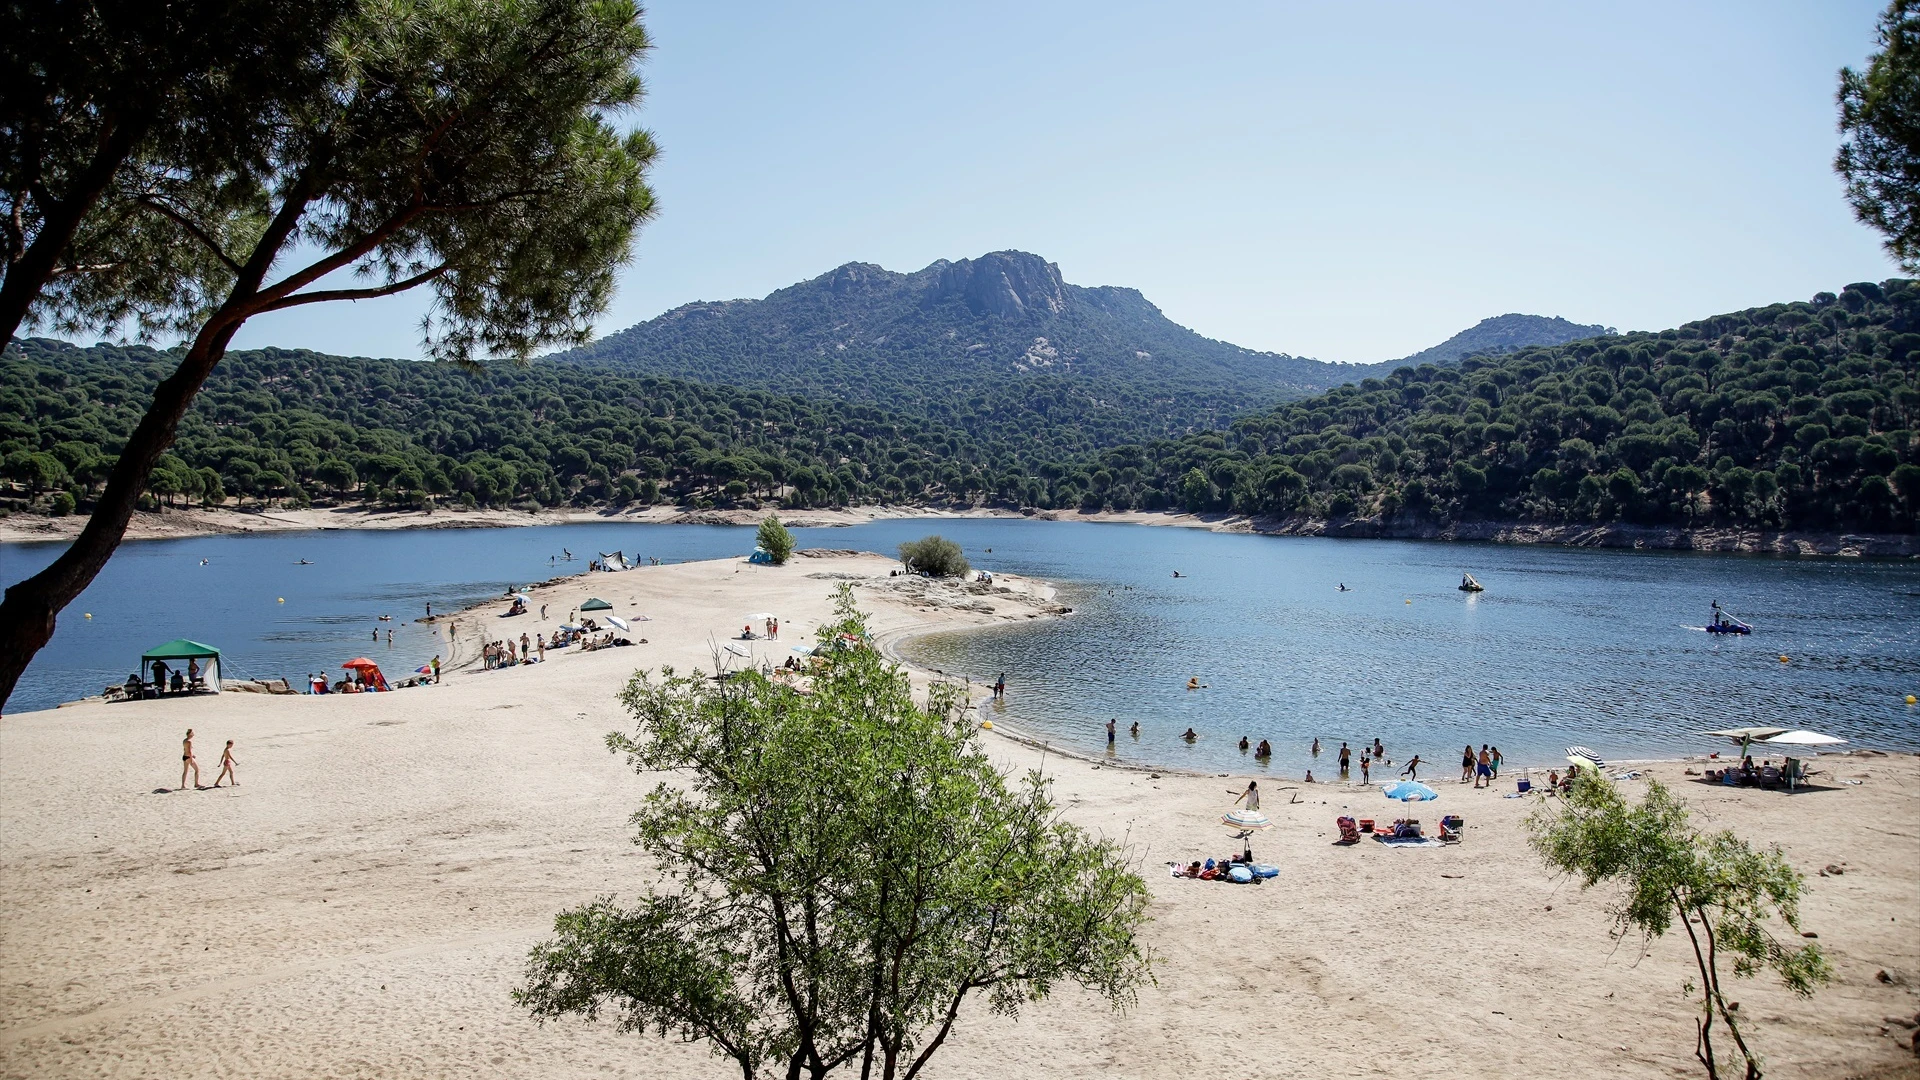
{"points": [[935, 555], [63, 503], [775, 540]]}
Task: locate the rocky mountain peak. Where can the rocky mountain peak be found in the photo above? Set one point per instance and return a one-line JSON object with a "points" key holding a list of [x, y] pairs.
{"points": [[1009, 284]]}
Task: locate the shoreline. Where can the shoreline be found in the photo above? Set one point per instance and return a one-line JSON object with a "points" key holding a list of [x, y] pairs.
{"points": [[179, 524]]}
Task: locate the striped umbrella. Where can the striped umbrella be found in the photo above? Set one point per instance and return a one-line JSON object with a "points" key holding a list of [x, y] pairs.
{"points": [[1246, 820], [1581, 756]]}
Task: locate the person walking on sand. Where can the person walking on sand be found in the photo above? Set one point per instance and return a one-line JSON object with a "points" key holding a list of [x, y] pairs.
{"points": [[1110, 733], [1466, 763], [187, 762], [1496, 763], [226, 766], [436, 669], [1252, 795], [526, 647], [1412, 771]]}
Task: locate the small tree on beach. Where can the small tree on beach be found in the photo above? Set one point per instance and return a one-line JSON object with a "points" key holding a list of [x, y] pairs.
{"points": [[840, 871], [935, 555], [775, 540], [1723, 890]]}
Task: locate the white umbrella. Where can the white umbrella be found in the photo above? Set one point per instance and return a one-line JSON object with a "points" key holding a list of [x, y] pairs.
{"points": [[1801, 739], [619, 622], [738, 649], [1749, 733], [762, 616]]}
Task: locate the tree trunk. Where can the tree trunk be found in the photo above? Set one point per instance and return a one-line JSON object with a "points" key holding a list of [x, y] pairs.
{"points": [[27, 615], [58, 223]]}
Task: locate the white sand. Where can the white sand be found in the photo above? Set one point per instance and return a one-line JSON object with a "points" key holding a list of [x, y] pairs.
{"points": [[361, 905]]}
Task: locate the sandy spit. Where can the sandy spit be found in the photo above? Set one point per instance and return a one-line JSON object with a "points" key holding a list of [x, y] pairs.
{"points": [[361, 904]]}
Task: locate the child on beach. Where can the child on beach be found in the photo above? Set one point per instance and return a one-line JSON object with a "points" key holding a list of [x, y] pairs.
{"points": [[1252, 795], [1365, 761], [226, 766]]}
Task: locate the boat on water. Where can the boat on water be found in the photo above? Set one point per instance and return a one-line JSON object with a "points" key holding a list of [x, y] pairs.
{"points": [[1725, 623], [1467, 584]]}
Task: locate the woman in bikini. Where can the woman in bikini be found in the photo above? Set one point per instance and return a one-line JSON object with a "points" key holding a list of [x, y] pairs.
{"points": [[187, 762], [226, 766]]}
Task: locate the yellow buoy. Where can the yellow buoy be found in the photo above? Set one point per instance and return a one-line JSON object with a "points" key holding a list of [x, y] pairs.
{"points": [[988, 724], [1409, 601], [1783, 659], [1911, 700], [89, 615], [280, 600]]}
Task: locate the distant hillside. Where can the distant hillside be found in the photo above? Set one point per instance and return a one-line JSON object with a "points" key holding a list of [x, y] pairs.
{"points": [[997, 346], [1793, 416], [1503, 334], [293, 425]]}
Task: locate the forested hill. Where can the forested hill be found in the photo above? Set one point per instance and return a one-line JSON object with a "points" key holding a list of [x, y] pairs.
{"points": [[294, 425], [1797, 416], [999, 346], [1501, 334]]}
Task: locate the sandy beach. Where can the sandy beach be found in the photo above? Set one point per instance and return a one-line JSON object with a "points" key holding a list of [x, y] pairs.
{"points": [[360, 906]]}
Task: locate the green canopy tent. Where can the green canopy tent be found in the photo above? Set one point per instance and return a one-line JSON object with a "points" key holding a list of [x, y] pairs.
{"points": [[178, 652], [596, 604]]}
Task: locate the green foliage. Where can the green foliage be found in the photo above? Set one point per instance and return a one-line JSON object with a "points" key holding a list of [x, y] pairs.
{"points": [[109, 106], [935, 555], [338, 426], [62, 504], [1795, 416], [1879, 152], [469, 148], [1725, 892], [775, 540], [839, 872]]}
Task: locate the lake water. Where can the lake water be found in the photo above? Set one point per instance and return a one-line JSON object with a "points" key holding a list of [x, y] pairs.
{"points": [[1565, 646]]}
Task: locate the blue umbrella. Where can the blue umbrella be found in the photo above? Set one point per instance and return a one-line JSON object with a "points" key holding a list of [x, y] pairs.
{"points": [[1409, 791]]}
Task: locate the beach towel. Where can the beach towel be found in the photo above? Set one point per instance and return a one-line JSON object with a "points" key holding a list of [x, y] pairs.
{"points": [[1409, 841]]}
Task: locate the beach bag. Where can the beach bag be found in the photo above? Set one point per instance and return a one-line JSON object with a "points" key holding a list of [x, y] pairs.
{"points": [[1262, 871], [1240, 875]]}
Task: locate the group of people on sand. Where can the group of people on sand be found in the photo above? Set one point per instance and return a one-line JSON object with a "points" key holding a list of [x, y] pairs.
{"points": [[1482, 768], [189, 763], [502, 654], [772, 631]]}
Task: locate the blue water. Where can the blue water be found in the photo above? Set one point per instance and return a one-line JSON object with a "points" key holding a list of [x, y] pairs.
{"points": [[1565, 646]]}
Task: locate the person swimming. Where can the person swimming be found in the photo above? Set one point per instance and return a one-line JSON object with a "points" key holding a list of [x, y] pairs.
{"points": [[1265, 750], [1243, 744], [1190, 735]]}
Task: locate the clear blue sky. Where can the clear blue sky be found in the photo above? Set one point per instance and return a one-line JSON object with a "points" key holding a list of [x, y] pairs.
{"points": [[1347, 181]]}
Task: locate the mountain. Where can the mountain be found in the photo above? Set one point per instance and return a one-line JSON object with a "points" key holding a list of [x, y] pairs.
{"points": [[1504, 334], [1000, 345]]}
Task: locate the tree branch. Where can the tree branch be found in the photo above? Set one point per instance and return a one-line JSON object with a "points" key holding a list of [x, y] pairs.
{"points": [[374, 292], [192, 229]]}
